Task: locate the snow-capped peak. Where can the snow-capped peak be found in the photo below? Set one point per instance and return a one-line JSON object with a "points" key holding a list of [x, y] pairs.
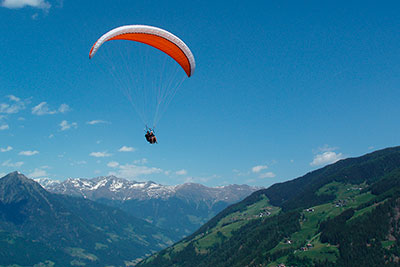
{"points": [[111, 187]]}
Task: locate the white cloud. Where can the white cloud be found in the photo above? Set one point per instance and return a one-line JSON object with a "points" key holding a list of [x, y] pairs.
{"points": [[15, 4], [5, 108], [43, 109], [126, 149], [100, 154], [113, 164], [8, 148], [267, 175], [326, 158], [63, 108], [65, 125], [132, 171], [10, 109], [10, 164], [4, 127], [38, 173], [258, 168], [93, 122], [28, 153], [181, 172], [14, 107], [141, 161], [14, 98]]}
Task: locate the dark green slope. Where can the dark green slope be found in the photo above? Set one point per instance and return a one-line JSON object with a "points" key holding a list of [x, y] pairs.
{"points": [[67, 230], [301, 192], [341, 215]]}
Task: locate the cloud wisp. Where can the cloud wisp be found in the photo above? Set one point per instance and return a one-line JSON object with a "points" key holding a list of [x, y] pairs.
{"points": [[141, 161], [130, 171], [15, 105], [65, 125], [28, 153], [44, 109], [10, 164], [38, 173], [16, 4], [93, 122], [327, 157], [267, 175], [126, 149], [258, 168], [100, 154], [181, 172], [6, 149], [4, 127], [113, 164]]}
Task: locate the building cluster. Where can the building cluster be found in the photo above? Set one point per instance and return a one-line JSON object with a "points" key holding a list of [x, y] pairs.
{"points": [[340, 203], [264, 213]]}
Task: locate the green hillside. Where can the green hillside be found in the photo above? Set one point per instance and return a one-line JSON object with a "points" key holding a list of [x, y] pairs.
{"points": [[345, 214]]}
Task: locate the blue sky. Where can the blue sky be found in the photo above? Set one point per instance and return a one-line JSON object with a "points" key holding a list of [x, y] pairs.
{"points": [[280, 88]]}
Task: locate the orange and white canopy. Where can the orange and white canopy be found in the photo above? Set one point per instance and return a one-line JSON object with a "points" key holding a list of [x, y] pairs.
{"points": [[153, 36]]}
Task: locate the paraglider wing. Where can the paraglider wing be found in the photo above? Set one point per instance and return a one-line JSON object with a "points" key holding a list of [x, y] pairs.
{"points": [[153, 36]]}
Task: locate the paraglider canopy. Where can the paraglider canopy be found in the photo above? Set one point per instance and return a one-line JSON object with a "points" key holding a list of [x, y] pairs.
{"points": [[153, 36], [149, 85]]}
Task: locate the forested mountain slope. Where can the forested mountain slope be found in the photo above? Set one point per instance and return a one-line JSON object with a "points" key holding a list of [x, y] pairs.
{"points": [[345, 214], [37, 226]]}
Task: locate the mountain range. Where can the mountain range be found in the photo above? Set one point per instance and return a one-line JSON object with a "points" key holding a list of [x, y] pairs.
{"points": [[345, 214], [180, 208], [39, 227]]}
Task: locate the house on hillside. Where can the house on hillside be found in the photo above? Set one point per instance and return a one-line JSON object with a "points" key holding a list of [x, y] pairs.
{"points": [[264, 213], [340, 203]]}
